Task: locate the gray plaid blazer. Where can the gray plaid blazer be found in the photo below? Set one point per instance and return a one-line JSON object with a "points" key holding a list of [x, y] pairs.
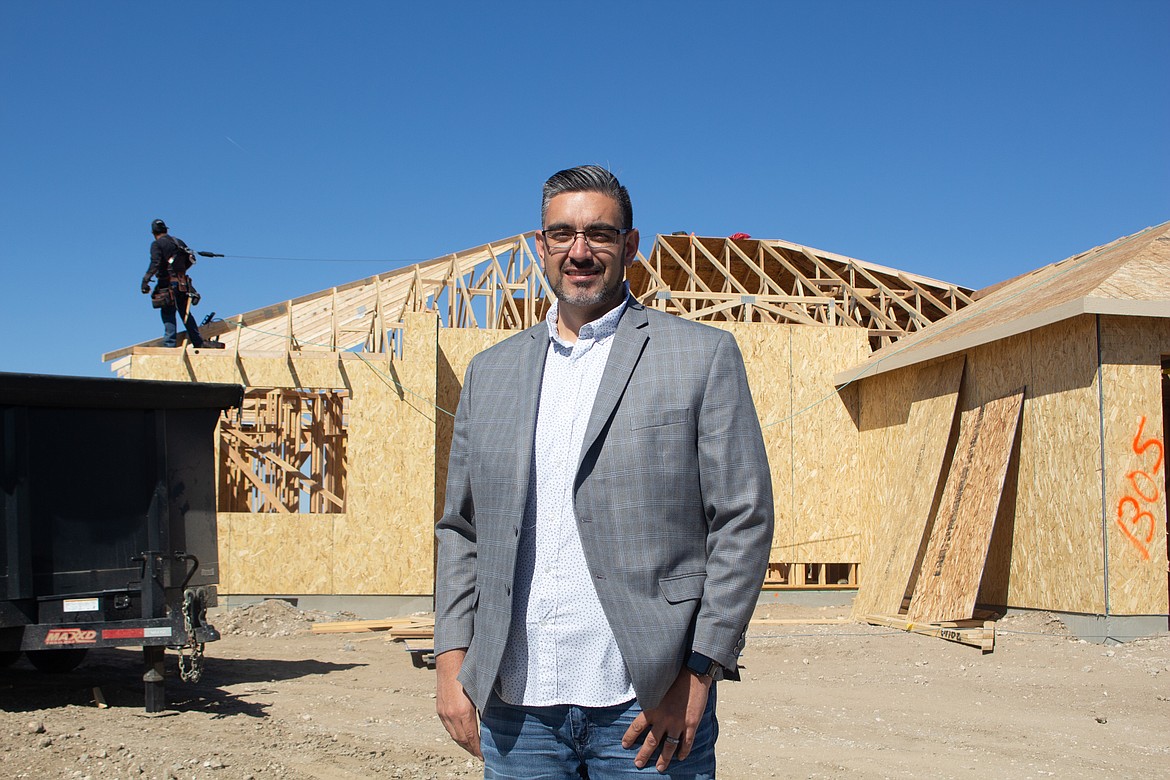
{"points": [[673, 499]]}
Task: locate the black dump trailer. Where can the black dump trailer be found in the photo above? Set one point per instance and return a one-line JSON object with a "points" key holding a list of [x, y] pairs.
{"points": [[107, 506]]}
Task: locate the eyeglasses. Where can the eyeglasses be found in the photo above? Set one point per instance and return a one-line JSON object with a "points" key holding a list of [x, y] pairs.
{"points": [[561, 239]]}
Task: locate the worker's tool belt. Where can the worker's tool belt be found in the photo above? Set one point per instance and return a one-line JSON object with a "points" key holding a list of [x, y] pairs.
{"points": [[181, 283], [164, 294]]}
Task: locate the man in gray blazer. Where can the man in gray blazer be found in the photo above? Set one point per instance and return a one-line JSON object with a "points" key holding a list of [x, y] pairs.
{"points": [[607, 523]]}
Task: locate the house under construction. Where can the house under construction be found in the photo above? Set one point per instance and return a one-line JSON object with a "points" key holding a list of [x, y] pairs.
{"points": [[332, 474]]}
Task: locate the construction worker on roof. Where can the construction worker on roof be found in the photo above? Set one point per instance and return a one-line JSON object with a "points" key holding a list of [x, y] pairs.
{"points": [[174, 293]]}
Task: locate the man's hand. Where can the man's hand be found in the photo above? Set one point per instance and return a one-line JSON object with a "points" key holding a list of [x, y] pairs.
{"points": [[145, 286], [675, 718], [455, 708]]}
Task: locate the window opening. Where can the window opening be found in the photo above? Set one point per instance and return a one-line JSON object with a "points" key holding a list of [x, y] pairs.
{"points": [[284, 451]]}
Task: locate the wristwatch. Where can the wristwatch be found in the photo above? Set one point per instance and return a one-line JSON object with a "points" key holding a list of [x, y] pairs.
{"points": [[704, 666]]}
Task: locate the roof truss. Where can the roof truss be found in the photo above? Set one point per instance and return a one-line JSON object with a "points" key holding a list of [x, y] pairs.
{"points": [[748, 280], [501, 285]]}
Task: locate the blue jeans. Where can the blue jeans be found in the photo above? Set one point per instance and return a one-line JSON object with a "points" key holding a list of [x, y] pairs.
{"points": [[567, 742], [168, 317]]}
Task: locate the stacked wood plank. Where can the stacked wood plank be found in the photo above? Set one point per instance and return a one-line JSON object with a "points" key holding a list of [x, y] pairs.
{"points": [[399, 628]]}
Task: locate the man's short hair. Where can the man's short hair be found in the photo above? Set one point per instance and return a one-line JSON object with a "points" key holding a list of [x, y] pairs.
{"points": [[588, 178]]}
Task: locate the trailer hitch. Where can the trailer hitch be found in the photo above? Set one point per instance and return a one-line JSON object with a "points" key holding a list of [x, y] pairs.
{"points": [[194, 609]]}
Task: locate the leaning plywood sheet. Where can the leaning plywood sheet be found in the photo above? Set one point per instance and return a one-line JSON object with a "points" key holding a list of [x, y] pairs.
{"points": [[915, 462], [957, 551]]}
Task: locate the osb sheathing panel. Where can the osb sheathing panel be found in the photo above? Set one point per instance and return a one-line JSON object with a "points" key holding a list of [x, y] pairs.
{"points": [[825, 445], [960, 536], [766, 352], [1046, 551], [457, 346], [383, 543], [1135, 497], [247, 562], [320, 371], [906, 420], [809, 433]]}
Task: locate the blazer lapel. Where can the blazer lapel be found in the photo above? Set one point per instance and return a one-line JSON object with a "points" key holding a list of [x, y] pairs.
{"points": [[628, 343], [529, 375]]}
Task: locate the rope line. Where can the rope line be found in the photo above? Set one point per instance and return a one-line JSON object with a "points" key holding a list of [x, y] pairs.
{"points": [[408, 261]]}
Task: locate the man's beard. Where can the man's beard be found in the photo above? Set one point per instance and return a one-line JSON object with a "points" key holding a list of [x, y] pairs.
{"points": [[607, 293]]}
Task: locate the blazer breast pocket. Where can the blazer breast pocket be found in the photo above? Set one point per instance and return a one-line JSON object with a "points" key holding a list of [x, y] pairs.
{"points": [[658, 418]]}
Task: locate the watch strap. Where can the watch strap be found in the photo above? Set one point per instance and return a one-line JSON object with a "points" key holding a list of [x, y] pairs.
{"points": [[704, 666]]}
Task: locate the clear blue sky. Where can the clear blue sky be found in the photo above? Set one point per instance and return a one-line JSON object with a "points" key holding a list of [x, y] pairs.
{"points": [[965, 141]]}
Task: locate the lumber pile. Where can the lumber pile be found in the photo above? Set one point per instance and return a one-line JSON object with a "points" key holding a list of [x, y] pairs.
{"points": [[973, 632], [399, 628]]}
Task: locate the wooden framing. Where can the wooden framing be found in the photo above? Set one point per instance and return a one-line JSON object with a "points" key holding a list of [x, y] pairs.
{"points": [[856, 444], [799, 314], [750, 280], [501, 286], [284, 451], [815, 576]]}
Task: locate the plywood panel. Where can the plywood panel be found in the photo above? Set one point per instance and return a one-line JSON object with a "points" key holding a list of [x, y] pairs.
{"points": [[885, 408], [995, 370], [766, 353], [1135, 464], [457, 346], [384, 543], [825, 446], [909, 458], [224, 522], [1047, 553], [953, 566], [276, 553], [319, 370]]}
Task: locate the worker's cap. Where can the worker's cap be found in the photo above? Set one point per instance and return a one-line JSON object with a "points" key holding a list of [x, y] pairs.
{"points": [[158, 226]]}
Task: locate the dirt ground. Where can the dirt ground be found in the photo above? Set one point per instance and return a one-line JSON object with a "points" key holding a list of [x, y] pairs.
{"points": [[817, 701]]}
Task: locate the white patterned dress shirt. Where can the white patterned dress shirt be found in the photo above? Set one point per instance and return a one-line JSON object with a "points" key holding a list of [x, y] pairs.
{"points": [[561, 649]]}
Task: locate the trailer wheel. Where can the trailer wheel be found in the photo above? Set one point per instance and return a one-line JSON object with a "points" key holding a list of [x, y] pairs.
{"points": [[8, 658], [56, 661]]}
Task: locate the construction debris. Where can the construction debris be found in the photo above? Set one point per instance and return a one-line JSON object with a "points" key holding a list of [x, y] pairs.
{"points": [[976, 633]]}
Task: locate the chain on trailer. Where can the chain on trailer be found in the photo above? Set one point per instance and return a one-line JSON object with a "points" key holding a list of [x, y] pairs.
{"points": [[191, 657]]}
